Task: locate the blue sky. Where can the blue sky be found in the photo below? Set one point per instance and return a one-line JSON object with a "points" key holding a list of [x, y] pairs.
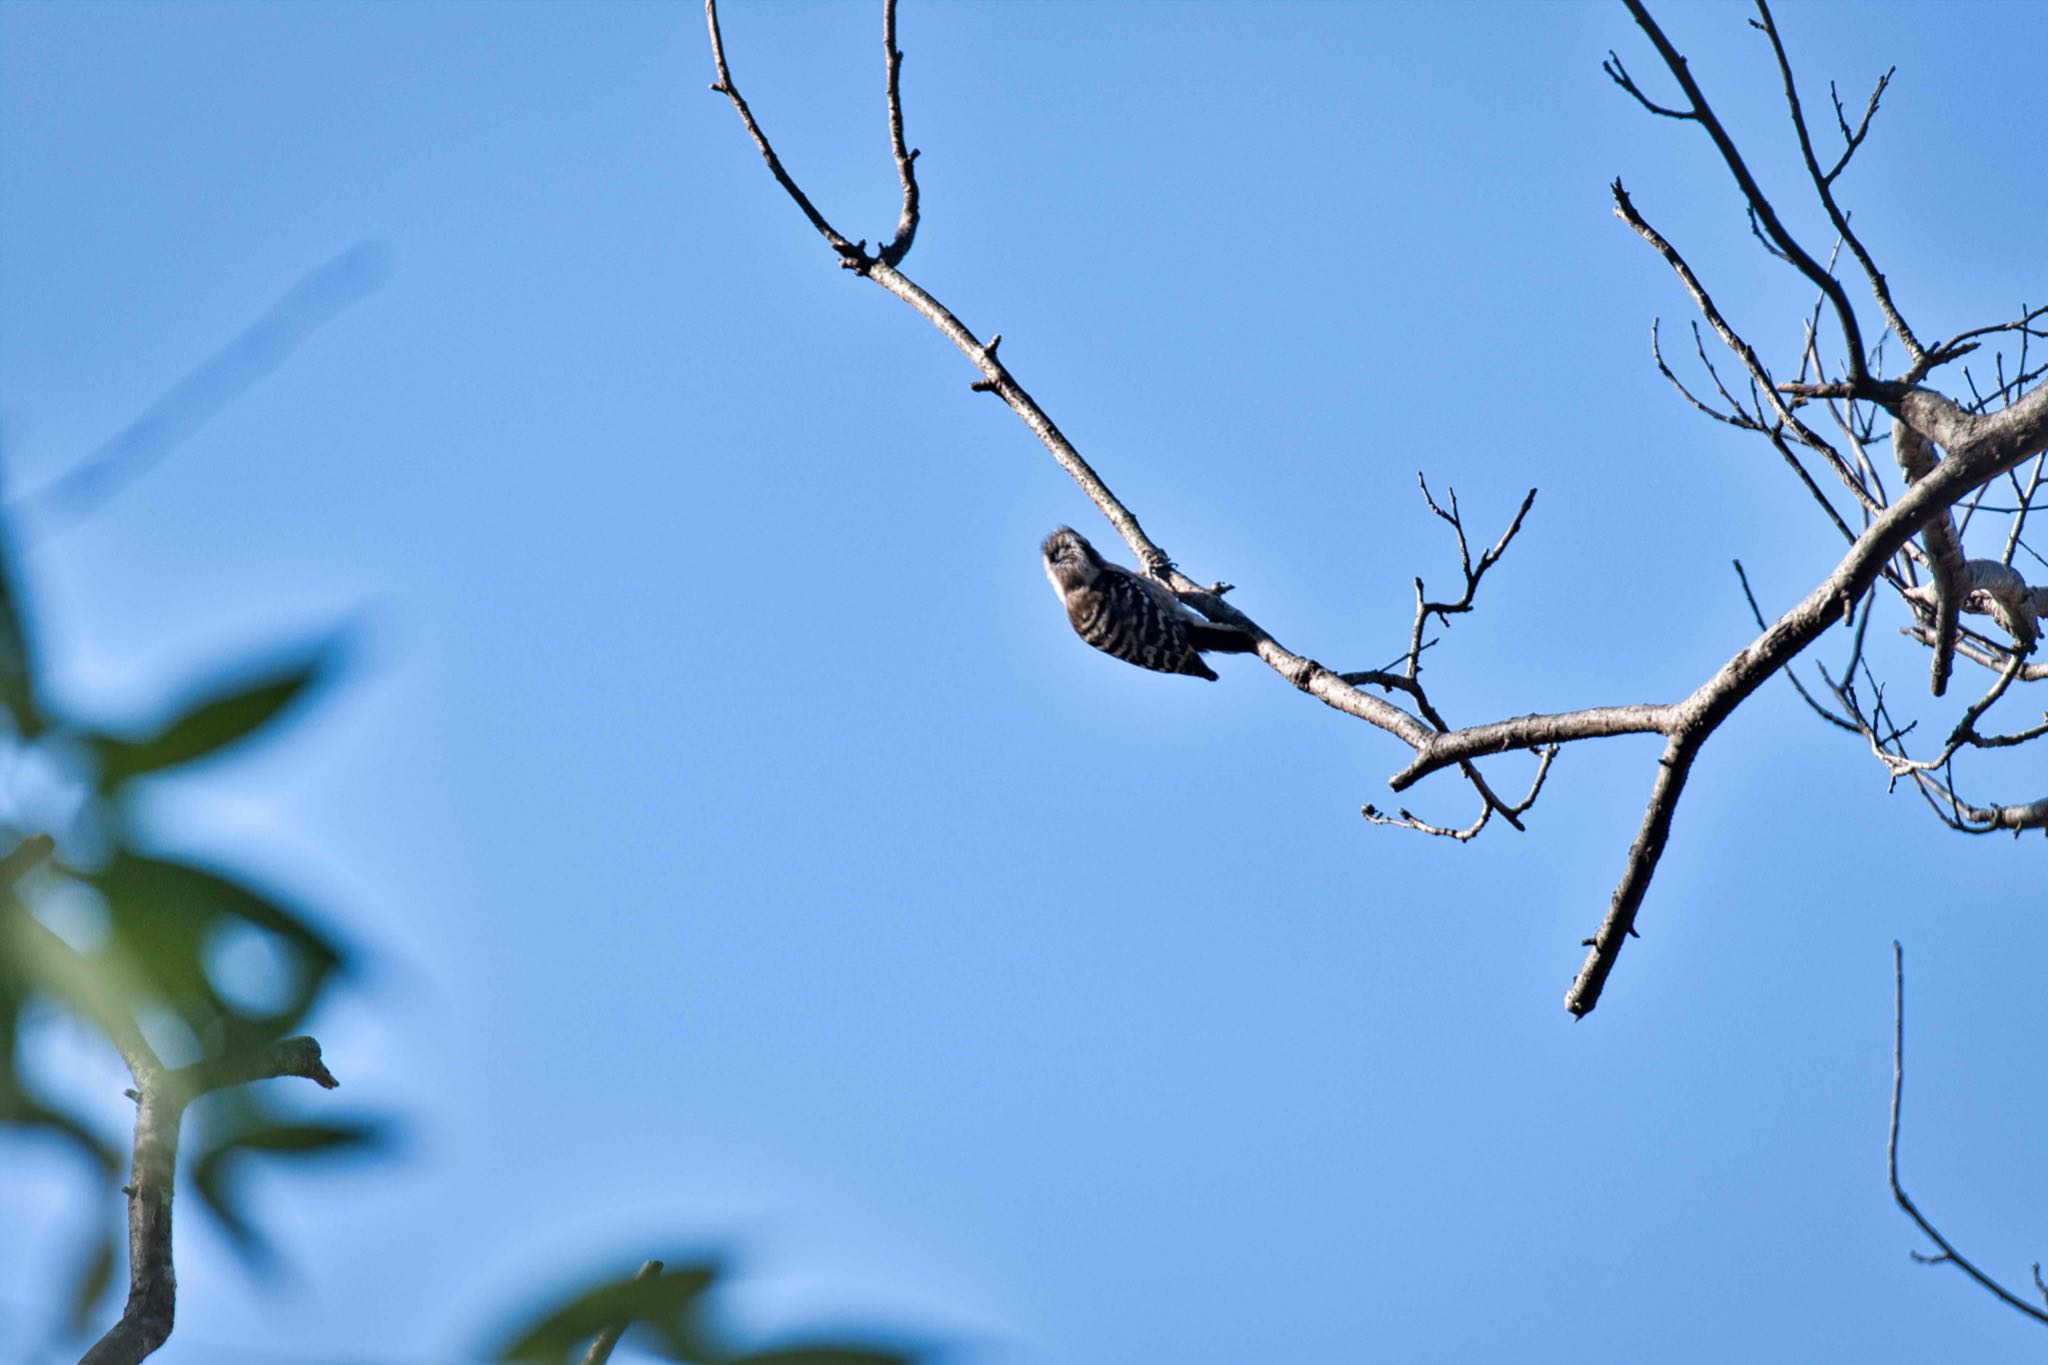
{"points": [[750, 857]]}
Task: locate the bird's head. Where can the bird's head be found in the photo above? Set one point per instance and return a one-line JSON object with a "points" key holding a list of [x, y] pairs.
{"points": [[1070, 561]]}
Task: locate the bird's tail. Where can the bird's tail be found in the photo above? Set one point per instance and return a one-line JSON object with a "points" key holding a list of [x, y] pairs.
{"points": [[1215, 639]]}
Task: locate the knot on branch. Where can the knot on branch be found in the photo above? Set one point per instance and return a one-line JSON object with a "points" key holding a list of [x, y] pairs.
{"points": [[1986, 587], [300, 1056], [1915, 454]]}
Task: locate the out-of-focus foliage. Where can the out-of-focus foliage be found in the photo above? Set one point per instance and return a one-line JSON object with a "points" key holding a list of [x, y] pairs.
{"points": [[671, 1310], [209, 968], [239, 1126], [146, 939]]}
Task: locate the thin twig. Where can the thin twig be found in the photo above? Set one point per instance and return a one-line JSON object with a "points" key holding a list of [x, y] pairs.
{"points": [[1625, 209], [1824, 185], [1443, 611], [906, 168], [2019, 513], [1949, 1255], [1759, 204], [849, 252], [1407, 819], [1852, 140], [1791, 674], [1740, 418]]}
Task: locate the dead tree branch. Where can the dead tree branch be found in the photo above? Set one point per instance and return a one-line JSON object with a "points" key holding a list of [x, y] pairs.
{"points": [[1824, 181], [906, 168], [1944, 553], [1625, 209], [1760, 207], [1979, 446], [1443, 611]]}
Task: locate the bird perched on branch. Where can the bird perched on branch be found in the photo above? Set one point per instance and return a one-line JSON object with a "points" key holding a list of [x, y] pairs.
{"points": [[1133, 617]]}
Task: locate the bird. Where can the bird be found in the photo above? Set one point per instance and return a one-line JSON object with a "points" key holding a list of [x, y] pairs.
{"points": [[1131, 616]]}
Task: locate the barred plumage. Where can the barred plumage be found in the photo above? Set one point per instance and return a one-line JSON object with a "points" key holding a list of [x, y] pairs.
{"points": [[1130, 616]]}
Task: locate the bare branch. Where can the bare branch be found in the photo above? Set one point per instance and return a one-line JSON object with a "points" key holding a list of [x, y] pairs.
{"points": [[1443, 611], [1529, 732], [1949, 1255], [1791, 674], [906, 168], [1643, 856], [1963, 343], [1985, 587], [1759, 204], [1625, 209], [1944, 552], [1979, 446], [2019, 513], [1406, 819], [1991, 819], [1618, 73], [1739, 419], [1746, 417], [1823, 185], [1852, 140], [850, 254], [1304, 673], [1965, 732], [1979, 650]]}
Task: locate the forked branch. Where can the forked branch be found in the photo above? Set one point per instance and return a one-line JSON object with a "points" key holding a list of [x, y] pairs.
{"points": [[161, 1095]]}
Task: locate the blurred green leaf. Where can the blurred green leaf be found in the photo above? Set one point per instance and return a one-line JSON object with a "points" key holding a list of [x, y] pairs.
{"points": [[665, 1305], [17, 666], [221, 717], [671, 1308], [315, 1138], [238, 1126], [214, 1181], [825, 1355], [93, 1281], [21, 1109], [35, 962], [17, 1105], [165, 913]]}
